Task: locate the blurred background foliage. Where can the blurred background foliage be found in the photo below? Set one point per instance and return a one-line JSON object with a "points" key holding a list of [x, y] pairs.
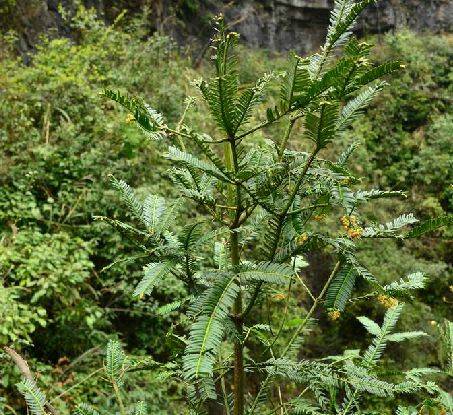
{"points": [[62, 298]]}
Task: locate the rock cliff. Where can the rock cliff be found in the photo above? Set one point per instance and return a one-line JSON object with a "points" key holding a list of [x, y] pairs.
{"points": [[274, 24], [301, 24]]}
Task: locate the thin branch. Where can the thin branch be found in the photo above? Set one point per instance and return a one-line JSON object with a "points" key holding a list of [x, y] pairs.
{"points": [[298, 331], [24, 369], [20, 362]]}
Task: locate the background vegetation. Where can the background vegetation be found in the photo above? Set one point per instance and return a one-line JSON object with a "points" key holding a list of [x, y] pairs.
{"points": [[67, 280]]}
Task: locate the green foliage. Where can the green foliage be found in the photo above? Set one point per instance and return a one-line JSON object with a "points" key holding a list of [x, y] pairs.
{"points": [[154, 274], [147, 118], [59, 296], [255, 176], [35, 399], [115, 362], [85, 409], [19, 319], [267, 272], [340, 289], [446, 350], [327, 93], [430, 225], [207, 331]]}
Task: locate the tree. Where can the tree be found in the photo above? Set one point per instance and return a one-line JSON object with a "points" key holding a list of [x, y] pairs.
{"points": [[263, 200]]}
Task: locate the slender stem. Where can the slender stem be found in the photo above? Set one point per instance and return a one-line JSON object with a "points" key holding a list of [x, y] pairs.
{"points": [[65, 392], [282, 147], [285, 315], [312, 309], [225, 396], [234, 198], [118, 398], [294, 212], [179, 125], [297, 332], [223, 370], [305, 287], [351, 401]]}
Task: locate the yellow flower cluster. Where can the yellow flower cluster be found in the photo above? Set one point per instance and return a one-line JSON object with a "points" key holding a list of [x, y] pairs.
{"points": [[302, 238], [318, 218], [334, 315], [387, 301], [351, 226], [130, 118], [279, 296]]}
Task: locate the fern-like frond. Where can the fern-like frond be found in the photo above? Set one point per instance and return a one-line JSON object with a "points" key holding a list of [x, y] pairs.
{"points": [[221, 92], [340, 289], [390, 227], [371, 327], [414, 281], [330, 79], [271, 235], [115, 361], [140, 408], [154, 273], [300, 372], [269, 272], [446, 349], [123, 227], [364, 381], [206, 333], [154, 208], [148, 119], [377, 347], [301, 406], [373, 74], [296, 81], [356, 106], [407, 335], [342, 20], [157, 215], [321, 128], [406, 411], [190, 235], [85, 409], [128, 196], [346, 153], [191, 161], [173, 306], [430, 225], [34, 397], [248, 100], [202, 141], [365, 195]]}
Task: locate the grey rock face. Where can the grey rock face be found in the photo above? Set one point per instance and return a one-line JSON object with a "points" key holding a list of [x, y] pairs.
{"points": [[278, 25], [300, 25]]}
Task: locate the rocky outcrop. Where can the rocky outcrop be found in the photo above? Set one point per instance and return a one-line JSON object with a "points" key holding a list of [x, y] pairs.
{"points": [[274, 24], [301, 24]]}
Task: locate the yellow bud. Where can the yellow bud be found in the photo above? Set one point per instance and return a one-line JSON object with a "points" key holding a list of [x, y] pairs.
{"points": [[302, 238], [345, 222], [130, 118], [386, 301], [334, 315], [355, 232], [279, 296]]}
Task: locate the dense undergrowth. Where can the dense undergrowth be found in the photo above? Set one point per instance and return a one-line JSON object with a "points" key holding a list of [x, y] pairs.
{"points": [[67, 280]]}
